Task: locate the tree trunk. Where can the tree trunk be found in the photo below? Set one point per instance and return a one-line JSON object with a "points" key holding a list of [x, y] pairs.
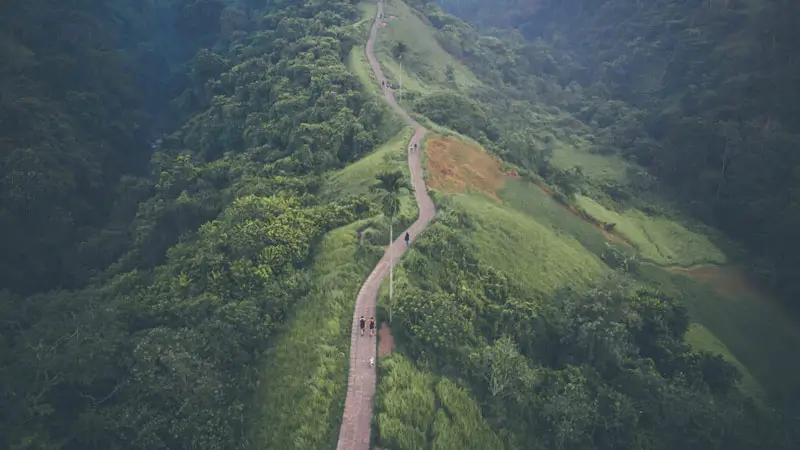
{"points": [[400, 100], [391, 270], [722, 172]]}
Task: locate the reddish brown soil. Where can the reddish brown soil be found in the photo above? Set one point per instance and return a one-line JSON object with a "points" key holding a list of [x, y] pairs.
{"points": [[729, 281], [457, 166], [385, 340]]}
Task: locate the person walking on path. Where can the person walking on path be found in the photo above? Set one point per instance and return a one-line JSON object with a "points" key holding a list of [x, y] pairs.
{"points": [[408, 237], [372, 326], [361, 323]]}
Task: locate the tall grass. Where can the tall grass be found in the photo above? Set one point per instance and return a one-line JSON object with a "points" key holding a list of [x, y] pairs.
{"points": [[416, 410], [426, 62], [598, 168], [530, 199], [304, 378], [357, 178], [755, 331], [536, 255], [658, 239], [701, 338]]}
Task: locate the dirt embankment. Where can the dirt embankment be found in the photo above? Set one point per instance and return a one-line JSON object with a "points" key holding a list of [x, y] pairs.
{"points": [[728, 281], [385, 340], [457, 166]]}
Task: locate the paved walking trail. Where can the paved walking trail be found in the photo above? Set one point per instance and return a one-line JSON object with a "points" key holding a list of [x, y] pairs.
{"points": [[357, 418]]}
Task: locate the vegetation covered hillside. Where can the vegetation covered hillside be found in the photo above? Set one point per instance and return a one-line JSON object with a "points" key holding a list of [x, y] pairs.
{"points": [[702, 94], [189, 206], [548, 306], [141, 306]]}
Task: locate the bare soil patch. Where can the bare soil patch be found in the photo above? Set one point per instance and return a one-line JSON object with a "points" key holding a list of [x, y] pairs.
{"points": [[456, 166], [729, 281], [385, 340]]}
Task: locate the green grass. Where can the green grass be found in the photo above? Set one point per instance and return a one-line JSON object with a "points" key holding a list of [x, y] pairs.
{"points": [[414, 407], [597, 168], [700, 338], [357, 178], [357, 64], [424, 70], [304, 376], [755, 331], [535, 254], [357, 61], [530, 199], [657, 239]]}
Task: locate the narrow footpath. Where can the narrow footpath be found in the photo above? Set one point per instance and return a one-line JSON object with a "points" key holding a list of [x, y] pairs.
{"points": [[357, 418]]}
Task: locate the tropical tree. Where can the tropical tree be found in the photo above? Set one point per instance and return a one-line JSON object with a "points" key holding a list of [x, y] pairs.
{"points": [[400, 48], [390, 185]]}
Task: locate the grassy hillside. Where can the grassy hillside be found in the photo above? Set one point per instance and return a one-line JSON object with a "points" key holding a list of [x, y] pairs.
{"points": [[305, 375], [304, 379], [494, 221], [534, 254], [425, 65], [754, 328], [657, 239]]}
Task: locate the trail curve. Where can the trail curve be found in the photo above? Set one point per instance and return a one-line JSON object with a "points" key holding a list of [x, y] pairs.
{"points": [[355, 431]]}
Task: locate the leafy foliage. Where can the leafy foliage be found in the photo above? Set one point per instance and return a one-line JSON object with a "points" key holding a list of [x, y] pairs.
{"points": [[604, 368], [699, 93], [194, 271]]}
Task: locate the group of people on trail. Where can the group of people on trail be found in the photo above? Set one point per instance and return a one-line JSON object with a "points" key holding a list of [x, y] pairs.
{"points": [[362, 322]]}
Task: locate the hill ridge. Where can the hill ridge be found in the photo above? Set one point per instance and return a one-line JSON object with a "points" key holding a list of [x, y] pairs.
{"points": [[355, 430]]}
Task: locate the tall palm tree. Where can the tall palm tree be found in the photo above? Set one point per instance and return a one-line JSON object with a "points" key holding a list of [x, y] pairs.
{"points": [[400, 49], [390, 185]]}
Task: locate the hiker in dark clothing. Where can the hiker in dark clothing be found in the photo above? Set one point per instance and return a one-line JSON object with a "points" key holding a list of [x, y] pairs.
{"points": [[361, 323], [372, 326], [408, 237]]}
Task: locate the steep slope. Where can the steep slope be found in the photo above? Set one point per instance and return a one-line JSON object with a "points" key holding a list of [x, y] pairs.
{"points": [[504, 251], [220, 244], [705, 96]]}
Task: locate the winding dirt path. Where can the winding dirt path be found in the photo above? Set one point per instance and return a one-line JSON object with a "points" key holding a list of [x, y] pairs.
{"points": [[357, 418]]}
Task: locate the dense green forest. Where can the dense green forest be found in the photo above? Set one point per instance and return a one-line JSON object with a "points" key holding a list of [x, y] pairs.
{"points": [[490, 358], [165, 197], [702, 94], [140, 288], [603, 368]]}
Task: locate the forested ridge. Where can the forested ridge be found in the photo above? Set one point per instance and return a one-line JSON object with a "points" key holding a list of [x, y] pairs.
{"points": [[165, 194], [702, 94], [85, 90], [138, 296]]}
